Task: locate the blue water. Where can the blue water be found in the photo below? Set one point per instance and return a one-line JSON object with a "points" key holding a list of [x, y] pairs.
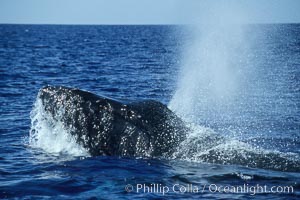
{"points": [[144, 62]]}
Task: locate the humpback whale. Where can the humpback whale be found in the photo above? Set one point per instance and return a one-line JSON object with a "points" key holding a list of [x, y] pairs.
{"points": [[106, 126]]}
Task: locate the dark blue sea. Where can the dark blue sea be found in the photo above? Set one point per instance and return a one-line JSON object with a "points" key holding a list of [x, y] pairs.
{"points": [[240, 83]]}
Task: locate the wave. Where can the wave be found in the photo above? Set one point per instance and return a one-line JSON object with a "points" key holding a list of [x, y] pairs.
{"points": [[205, 145]]}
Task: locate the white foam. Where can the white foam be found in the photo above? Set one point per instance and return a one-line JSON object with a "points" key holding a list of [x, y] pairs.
{"points": [[50, 135]]}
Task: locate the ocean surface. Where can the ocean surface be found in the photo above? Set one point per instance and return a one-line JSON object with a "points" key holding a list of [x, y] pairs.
{"points": [[242, 84]]}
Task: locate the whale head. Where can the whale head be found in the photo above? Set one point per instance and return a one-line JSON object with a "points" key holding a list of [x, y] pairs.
{"points": [[105, 126]]}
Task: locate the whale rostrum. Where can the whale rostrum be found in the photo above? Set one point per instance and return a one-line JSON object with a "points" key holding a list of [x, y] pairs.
{"points": [[105, 126]]}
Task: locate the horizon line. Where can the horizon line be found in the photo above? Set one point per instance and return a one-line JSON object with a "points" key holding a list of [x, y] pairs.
{"points": [[139, 24]]}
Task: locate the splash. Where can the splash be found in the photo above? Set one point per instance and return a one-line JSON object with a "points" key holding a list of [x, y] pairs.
{"points": [[50, 135]]}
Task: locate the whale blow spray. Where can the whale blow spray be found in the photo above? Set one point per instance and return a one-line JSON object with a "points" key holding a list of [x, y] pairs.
{"points": [[209, 79]]}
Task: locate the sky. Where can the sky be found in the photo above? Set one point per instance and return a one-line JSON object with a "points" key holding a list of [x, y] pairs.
{"points": [[147, 11]]}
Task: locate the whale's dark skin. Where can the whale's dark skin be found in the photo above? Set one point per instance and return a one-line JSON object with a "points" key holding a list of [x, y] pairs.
{"points": [[108, 127]]}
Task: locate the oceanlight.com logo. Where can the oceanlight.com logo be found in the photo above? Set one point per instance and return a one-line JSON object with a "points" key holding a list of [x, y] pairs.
{"points": [[208, 188]]}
